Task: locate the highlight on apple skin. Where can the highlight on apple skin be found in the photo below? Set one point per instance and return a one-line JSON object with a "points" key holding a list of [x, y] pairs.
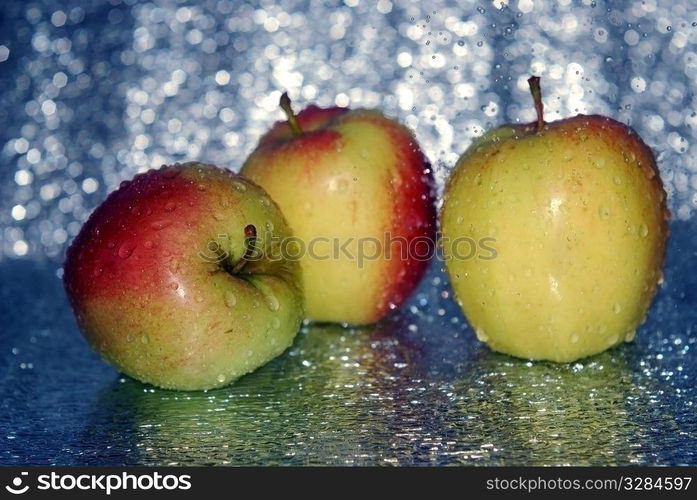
{"points": [[350, 177], [159, 280], [578, 212]]}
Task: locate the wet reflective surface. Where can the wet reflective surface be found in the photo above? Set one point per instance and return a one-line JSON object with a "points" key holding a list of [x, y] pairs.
{"points": [[415, 389]]}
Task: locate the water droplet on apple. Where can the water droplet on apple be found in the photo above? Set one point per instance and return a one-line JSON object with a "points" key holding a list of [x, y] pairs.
{"points": [[276, 323], [617, 180], [460, 219], [342, 185], [239, 186], [612, 340], [160, 224], [272, 302], [129, 338], [174, 264], [643, 231], [617, 308], [269, 226], [478, 179], [201, 187], [221, 378], [629, 336], [136, 210], [98, 270], [144, 339], [574, 339], [230, 299], [481, 335], [170, 206], [198, 298], [264, 200], [148, 244], [173, 286], [599, 163], [604, 212], [126, 249]]}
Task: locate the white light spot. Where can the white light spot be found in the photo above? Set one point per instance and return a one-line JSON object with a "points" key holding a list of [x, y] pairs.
{"points": [[90, 185], [638, 84], [526, 6], [404, 59], [222, 77], [19, 212], [20, 248]]}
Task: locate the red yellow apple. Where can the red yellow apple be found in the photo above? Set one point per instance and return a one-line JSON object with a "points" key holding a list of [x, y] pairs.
{"points": [[165, 287], [357, 191], [578, 213]]}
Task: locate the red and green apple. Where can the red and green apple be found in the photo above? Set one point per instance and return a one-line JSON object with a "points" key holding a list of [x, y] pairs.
{"points": [[170, 281], [355, 181], [578, 213]]}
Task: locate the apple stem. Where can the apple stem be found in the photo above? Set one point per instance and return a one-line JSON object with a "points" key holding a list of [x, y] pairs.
{"points": [[292, 119], [534, 82], [250, 233]]}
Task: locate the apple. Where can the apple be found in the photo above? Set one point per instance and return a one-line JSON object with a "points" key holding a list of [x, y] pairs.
{"points": [[578, 213], [358, 193], [171, 280]]}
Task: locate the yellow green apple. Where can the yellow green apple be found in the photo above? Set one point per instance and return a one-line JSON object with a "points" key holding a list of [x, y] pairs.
{"points": [[172, 282], [578, 213], [357, 192]]}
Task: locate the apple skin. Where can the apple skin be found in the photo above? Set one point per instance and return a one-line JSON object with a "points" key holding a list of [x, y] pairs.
{"points": [[579, 216], [350, 175], [153, 299]]}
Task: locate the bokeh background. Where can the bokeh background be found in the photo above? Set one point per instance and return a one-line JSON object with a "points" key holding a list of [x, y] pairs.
{"points": [[92, 92]]}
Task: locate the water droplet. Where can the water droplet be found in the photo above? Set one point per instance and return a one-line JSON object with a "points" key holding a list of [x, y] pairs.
{"points": [[201, 187], [170, 206], [144, 339], [643, 231], [98, 270], [269, 226], [612, 340], [173, 286], [160, 224], [599, 163], [221, 378], [460, 219], [230, 299], [629, 336], [264, 200], [126, 249], [604, 212], [574, 339], [616, 308], [481, 335], [342, 185], [272, 302], [239, 186], [617, 180], [199, 298], [129, 338], [148, 244], [136, 210]]}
